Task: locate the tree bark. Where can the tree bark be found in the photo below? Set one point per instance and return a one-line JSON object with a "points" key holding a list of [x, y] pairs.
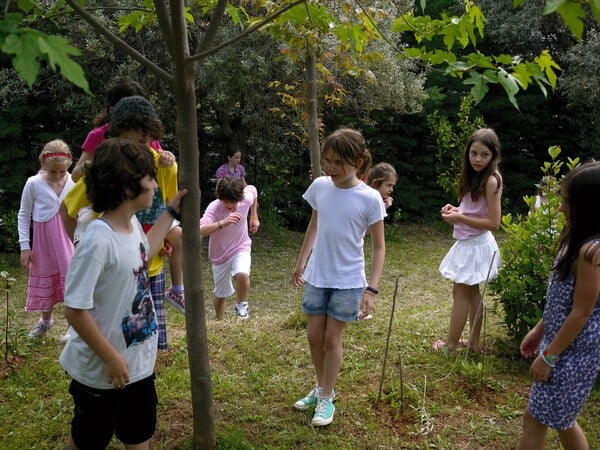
{"points": [[195, 315], [312, 119]]}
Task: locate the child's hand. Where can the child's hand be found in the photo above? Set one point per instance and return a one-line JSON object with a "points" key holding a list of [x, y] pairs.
{"points": [[166, 249], [25, 259], [232, 218], [388, 202], [254, 224], [166, 159], [539, 370], [452, 216], [297, 279], [531, 343], [366, 304], [447, 208], [117, 371], [176, 202]]}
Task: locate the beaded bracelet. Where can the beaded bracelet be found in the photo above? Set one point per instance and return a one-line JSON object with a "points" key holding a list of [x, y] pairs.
{"points": [[548, 358]]}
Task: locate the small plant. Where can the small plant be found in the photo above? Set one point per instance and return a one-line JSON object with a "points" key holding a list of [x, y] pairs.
{"points": [[528, 252], [10, 340]]}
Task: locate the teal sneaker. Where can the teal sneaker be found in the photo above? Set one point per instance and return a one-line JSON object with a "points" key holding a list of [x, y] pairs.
{"points": [[323, 412], [309, 400]]}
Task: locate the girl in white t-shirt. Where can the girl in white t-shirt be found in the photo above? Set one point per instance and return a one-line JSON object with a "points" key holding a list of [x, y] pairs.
{"points": [[335, 286], [47, 253]]}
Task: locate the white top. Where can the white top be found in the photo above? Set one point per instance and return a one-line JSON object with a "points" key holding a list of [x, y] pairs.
{"points": [[233, 238], [337, 259], [39, 203], [108, 276]]}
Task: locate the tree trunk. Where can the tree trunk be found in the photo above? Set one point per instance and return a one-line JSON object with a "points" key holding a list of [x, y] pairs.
{"points": [[312, 119], [195, 318]]}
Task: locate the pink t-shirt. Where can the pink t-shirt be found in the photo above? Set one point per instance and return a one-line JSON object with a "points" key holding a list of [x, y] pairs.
{"points": [[98, 135], [470, 208], [231, 239]]}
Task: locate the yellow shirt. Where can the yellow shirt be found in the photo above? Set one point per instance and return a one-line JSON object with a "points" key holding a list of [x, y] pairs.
{"points": [[166, 178]]}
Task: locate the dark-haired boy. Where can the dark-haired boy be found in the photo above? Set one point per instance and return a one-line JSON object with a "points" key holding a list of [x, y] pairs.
{"points": [[111, 354], [229, 246]]}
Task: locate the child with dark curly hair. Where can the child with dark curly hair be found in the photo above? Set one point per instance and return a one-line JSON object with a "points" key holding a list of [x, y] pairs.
{"points": [[108, 303]]}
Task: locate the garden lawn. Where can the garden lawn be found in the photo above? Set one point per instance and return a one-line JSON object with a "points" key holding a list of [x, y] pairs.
{"points": [[261, 366]]}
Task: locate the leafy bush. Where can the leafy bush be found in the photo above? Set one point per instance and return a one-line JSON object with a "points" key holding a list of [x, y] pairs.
{"points": [[9, 234], [528, 253]]}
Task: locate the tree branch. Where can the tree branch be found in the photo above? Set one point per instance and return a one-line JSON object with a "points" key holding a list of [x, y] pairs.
{"points": [[257, 26], [119, 43], [162, 14]]}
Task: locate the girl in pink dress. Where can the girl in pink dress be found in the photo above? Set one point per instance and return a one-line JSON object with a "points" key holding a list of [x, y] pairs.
{"points": [[46, 254]]}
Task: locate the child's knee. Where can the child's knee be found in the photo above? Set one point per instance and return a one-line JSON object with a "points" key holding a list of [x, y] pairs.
{"points": [[174, 236]]}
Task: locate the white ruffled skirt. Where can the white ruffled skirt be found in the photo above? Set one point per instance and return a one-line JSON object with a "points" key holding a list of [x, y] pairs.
{"points": [[469, 261]]}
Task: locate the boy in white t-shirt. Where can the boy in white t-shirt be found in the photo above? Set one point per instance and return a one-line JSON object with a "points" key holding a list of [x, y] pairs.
{"points": [[111, 354], [229, 246]]}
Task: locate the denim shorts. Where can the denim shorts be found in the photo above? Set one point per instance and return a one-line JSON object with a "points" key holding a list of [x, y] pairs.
{"points": [[129, 413], [340, 304]]}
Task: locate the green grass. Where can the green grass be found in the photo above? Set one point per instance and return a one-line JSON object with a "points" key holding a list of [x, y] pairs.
{"points": [[260, 367]]}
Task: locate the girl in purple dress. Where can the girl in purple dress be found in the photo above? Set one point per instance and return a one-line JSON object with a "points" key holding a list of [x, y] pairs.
{"points": [[46, 254], [565, 342], [232, 168]]}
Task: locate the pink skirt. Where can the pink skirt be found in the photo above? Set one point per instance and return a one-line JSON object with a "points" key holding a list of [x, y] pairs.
{"points": [[51, 253]]}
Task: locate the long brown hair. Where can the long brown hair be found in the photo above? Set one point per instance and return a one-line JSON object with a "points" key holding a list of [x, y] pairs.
{"points": [[351, 146], [472, 181], [580, 192]]}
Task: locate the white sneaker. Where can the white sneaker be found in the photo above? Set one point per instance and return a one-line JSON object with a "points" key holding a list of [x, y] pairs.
{"points": [[40, 329], [65, 337], [241, 310]]}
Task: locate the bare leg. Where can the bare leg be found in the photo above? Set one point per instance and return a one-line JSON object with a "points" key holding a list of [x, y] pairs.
{"points": [[533, 436], [219, 303], [573, 438], [175, 261], [242, 287], [315, 333], [47, 316], [458, 317], [332, 354], [475, 317]]}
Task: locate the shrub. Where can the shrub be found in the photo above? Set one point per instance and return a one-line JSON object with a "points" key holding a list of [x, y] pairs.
{"points": [[528, 252]]}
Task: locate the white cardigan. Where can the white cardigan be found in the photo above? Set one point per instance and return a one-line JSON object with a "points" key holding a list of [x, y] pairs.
{"points": [[38, 203]]}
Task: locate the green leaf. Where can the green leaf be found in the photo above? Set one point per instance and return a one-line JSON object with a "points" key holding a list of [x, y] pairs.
{"points": [[552, 5], [517, 3], [573, 14], [26, 52], [480, 86], [59, 51], [547, 65], [510, 85]]}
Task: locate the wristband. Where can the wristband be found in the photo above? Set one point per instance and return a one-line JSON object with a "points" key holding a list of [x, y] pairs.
{"points": [[371, 290], [548, 358], [173, 213], [253, 217]]}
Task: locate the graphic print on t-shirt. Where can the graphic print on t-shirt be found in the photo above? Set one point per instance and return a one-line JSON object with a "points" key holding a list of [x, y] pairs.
{"points": [[141, 323]]}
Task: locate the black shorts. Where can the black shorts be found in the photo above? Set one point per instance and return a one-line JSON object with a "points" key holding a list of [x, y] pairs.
{"points": [[128, 413]]}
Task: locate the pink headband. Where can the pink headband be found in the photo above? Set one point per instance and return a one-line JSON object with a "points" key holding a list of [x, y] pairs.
{"points": [[45, 156]]}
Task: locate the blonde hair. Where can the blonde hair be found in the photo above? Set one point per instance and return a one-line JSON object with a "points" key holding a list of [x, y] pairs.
{"points": [[56, 151]]}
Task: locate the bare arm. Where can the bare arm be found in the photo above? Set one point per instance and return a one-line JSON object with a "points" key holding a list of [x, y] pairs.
{"points": [[78, 169], [116, 366], [587, 290], [378, 258], [69, 223], [209, 228], [493, 194], [156, 235], [307, 245], [254, 221]]}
